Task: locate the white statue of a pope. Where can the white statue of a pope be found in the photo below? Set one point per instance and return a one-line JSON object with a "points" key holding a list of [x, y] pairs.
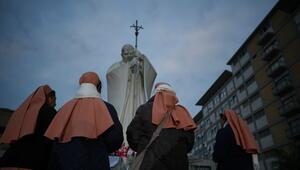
{"points": [[129, 83]]}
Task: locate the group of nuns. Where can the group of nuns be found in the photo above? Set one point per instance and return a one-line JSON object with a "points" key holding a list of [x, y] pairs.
{"points": [[86, 130]]}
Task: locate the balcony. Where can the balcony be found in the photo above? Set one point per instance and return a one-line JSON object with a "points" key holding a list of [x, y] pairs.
{"points": [[235, 67], [294, 129], [293, 133], [245, 112], [276, 68], [248, 73], [256, 104], [245, 58], [251, 127], [266, 142], [289, 108], [253, 87], [270, 52], [282, 87], [262, 122], [288, 6], [265, 36], [238, 81], [241, 95]]}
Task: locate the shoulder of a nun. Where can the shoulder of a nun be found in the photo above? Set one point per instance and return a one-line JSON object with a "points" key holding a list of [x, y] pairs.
{"points": [[67, 104], [142, 108], [70, 101], [182, 107]]}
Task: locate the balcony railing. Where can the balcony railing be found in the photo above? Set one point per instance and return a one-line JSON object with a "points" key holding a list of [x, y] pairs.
{"points": [[270, 52], [266, 36], [289, 108], [294, 130], [276, 68], [283, 87]]}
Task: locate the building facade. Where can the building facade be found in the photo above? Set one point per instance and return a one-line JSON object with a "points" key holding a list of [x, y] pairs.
{"points": [[263, 87]]}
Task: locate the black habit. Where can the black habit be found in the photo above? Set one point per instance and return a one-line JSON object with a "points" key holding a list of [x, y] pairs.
{"points": [[88, 154], [168, 151], [227, 154], [31, 151]]}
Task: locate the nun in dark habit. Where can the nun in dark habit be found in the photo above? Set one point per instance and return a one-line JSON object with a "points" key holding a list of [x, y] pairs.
{"points": [[85, 130], [28, 147]]}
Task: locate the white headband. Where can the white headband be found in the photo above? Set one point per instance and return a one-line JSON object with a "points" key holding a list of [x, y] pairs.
{"points": [[164, 87]]}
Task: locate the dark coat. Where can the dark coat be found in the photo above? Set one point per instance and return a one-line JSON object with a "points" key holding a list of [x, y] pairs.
{"points": [[88, 154], [31, 151], [228, 154], [168, 151]]}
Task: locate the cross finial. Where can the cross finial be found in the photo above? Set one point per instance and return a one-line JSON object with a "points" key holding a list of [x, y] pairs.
{"points": [[137, 28]]}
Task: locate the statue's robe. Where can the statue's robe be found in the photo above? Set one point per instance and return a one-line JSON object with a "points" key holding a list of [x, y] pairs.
{"points": [[129, 85]]}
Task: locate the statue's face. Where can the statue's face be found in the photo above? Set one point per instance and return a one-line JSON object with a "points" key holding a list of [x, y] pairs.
{"points": [[127, 53]]}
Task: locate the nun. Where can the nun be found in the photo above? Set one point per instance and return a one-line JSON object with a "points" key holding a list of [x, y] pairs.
{"points": [[166, 150], [85, 130], [235, 146], [28, 147]]}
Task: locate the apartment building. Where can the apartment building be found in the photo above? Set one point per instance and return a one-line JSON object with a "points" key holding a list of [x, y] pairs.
{"points": [[265, 83]]}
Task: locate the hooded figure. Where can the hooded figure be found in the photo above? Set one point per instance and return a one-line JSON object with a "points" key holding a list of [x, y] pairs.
{"points": [[86, 129], [169, 150], [25, 131], [235, 146]]}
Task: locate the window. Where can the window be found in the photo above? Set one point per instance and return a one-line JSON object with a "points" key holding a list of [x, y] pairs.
{"points": [[235, 66], [211, 105], [223, 94], [217, 100], [259, 114], [254, 97], [237, 110], [232, 100], [225, 105], [214, 131], [267, 48], [264, 133], [249, 120], [285, 78], [283, 85], [245, 105], [297, 20], [205, 109], [277, 64], [238, 74], [265, 28], [212, 118], [288, 101], [295, 125], [241, 89], [230, 87], [251, 80]]}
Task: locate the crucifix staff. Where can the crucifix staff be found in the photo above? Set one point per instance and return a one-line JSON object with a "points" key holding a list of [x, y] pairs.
{"points": [[137, 28]]}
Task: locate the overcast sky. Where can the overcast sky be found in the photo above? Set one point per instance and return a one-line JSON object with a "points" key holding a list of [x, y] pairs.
{"points": [[55, 41]]}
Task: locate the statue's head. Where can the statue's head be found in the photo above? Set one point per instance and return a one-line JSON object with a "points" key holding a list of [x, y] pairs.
{"points": [[128, 52]]}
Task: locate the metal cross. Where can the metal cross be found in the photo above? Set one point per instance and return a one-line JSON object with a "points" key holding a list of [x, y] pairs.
{"points": [[137, 28]]}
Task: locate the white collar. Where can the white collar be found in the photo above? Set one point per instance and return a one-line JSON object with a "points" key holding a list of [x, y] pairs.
{"points": [[87, 90], [225, 124]]}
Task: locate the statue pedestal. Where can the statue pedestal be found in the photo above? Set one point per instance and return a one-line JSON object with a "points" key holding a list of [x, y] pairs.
{"points": [[117, 163]]}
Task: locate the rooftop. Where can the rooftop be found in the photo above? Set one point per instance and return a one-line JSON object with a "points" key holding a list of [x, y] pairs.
{"points": [[215, 87]]}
